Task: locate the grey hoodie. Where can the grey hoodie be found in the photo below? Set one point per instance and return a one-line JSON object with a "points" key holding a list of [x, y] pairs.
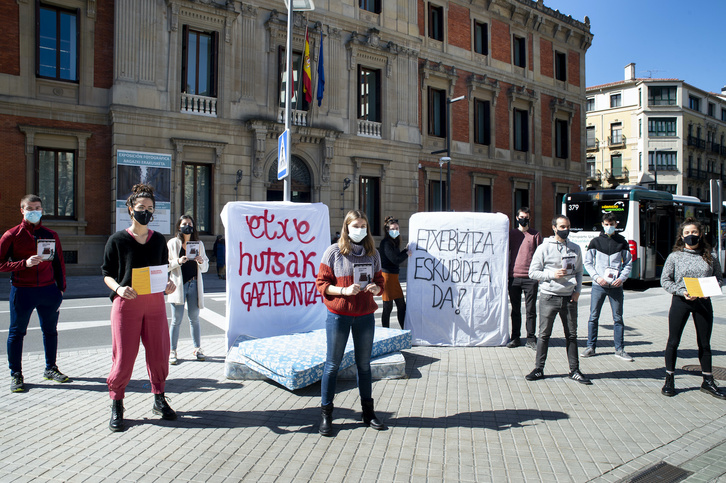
{"points": [[547, 259]]}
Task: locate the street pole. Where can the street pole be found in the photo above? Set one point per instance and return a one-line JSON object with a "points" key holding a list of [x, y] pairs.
{"points": [[449, 102], [288, 81]]}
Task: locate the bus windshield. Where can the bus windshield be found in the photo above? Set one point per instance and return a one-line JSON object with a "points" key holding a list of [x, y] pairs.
{"points": [[587, 215]]}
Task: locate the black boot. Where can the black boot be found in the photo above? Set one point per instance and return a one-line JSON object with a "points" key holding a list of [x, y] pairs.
{"points": [[369, 417], [669, 388], [117, 416], [326, 420], [709, 387], [162, 407]]}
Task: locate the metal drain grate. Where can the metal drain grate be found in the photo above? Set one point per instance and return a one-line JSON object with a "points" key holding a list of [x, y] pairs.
{"points": [[659, 473], [718, 372]]}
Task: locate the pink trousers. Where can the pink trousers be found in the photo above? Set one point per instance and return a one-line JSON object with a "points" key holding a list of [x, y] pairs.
{"points": [[141, 319]]}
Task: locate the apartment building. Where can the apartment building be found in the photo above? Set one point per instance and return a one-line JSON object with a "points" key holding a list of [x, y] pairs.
{"points": [[662, 133], [200, 85]]}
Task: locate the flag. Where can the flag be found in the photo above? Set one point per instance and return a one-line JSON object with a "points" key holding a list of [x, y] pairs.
{"points": [[307, 76], [321, 72]]}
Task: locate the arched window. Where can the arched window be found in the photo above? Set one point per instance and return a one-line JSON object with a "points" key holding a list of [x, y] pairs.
{"points": [[301, 182]]}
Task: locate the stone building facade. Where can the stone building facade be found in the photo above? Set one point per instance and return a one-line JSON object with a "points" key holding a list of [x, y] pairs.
{"points": [[650, 132], [202, 81]]}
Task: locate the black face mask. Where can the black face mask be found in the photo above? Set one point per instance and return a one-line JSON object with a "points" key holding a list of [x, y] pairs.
{"points": [[692, 240], [187, 229], [563, 234], [522, 221], [143, 217]]}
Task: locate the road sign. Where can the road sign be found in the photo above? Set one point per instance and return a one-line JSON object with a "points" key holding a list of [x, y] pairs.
{"points": [[283, 154]]}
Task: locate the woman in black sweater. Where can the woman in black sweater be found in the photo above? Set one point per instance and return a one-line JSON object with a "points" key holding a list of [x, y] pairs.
{"points": [[137, 316], [391, 257]]}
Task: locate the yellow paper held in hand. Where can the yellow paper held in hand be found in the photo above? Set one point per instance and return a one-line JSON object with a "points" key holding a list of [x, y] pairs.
{"points": [[702, 287], [148, 280]]}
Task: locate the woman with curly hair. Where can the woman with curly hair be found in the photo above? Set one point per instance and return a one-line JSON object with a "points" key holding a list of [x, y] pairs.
{"points": [[136, 317], [691, 257], [391, 257], [349, 277]]}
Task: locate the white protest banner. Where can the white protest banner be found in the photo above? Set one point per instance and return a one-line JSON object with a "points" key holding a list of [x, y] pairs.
{"points": [[273, 253], [457, 279]]}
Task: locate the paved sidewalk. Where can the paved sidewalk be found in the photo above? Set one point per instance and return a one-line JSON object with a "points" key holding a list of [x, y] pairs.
{"points": [[463, 414]]}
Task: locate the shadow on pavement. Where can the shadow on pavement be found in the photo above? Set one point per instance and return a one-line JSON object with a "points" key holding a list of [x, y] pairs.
{"points": [[306, 420], [416, 361]]}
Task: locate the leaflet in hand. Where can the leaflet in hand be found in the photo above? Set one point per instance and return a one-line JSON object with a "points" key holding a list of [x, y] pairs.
{"points": [[568, 263], [702, 287], [193, 249], [148, 280], [362, 274], [610, 274], [46, 249]]}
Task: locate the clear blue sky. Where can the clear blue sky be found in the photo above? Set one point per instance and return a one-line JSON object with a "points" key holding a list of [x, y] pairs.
{"points": [[665, 38]]}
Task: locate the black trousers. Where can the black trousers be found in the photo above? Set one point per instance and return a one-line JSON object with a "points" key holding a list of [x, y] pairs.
{"points": [[702, 312], [388, 308], [529, 287]]}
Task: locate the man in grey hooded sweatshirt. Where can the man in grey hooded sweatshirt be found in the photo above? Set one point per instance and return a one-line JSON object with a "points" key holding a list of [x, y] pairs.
{"points": [[557, 266]]}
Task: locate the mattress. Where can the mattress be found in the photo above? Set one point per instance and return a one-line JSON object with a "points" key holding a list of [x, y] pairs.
{"points": [[297, 360]]}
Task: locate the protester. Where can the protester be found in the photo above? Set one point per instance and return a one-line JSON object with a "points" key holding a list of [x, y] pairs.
{"points": [[37, 283], [557, 265], [350, 309], [523, 241], [608, 261], [391, 257], [136, 316], [218, 251], [186, 274], [691, 257]]}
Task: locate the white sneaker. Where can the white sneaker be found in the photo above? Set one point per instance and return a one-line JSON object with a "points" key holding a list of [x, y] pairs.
{"points": [[624, 355], [172, 358], [199, 354]]}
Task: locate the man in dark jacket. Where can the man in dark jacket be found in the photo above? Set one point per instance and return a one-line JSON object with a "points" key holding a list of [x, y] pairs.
{"points": [[608, 261], [33, 255]]}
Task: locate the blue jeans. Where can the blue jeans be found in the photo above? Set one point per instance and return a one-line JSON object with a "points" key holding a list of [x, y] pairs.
{"points": [[337, 328], [597, 298], [177, 314], [23, 300]]}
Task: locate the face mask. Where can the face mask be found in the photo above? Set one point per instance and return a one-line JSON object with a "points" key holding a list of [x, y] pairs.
{"points": [[563, 234], [356, 234], [393, 233], [609, 230], [142, 217], [692, 240], [187, 229], [522, 221], [33, 216]]}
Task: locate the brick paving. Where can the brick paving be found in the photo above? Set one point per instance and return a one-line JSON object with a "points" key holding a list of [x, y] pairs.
{"points": [[462, 414]]}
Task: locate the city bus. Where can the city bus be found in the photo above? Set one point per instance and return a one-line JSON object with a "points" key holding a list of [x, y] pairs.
{"points": [[648, 219]]}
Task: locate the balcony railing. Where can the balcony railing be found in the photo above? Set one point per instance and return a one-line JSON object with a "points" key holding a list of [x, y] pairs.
{"points": [[593, 144], [695, 142], [297, 118], [714, 147], [618, 140], [621, 172], [697, 173], [369, 129], [200, 105]]}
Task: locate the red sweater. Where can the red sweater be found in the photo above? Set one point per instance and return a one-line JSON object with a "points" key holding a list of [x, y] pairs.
{"points": [[521, 249], [18, 244], [336, 269]]}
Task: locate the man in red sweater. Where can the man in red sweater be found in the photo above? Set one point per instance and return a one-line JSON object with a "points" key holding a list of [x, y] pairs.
{"points": [[38, 278], [523, 241]]}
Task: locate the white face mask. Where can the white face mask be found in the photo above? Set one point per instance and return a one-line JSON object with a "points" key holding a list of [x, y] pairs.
{"points": [[393, 233], [356, 234], [609, 229]]}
